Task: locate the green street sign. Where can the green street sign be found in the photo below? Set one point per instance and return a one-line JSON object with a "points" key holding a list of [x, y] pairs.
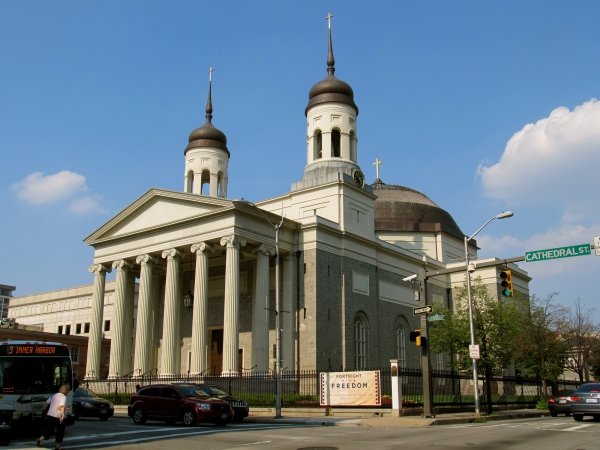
{"points": [[560, 252]]}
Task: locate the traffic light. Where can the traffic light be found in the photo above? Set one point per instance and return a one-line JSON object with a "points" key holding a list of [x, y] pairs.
{"points": [[506, 285], [415, 336]]}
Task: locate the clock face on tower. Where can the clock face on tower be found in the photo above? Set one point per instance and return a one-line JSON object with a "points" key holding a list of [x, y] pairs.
{"points": [[358, 177]]}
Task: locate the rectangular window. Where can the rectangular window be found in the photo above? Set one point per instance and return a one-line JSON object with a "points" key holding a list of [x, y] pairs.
{"points": [[68, 329], [78, 328], [75, 354], [60, 328], [107, 325], [86, 327]]}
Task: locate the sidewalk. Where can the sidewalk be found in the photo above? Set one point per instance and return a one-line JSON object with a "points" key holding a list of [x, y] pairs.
{"points": [[315, 416]]}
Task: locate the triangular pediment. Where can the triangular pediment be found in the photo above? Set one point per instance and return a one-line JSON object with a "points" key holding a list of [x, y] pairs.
{"points": [[156, 209]]}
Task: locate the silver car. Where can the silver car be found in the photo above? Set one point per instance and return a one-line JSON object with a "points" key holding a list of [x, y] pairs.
{"points": [[585, 401]]}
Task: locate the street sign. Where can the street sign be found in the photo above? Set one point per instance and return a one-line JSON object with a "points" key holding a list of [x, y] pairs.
{"points": [[597, 245], [422, 310], [474, 351], [560, 252], [435, 318]]}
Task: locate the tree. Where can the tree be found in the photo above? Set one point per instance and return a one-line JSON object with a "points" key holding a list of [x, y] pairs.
{"points": [[496, 325], [581, 335], [540, 351]]}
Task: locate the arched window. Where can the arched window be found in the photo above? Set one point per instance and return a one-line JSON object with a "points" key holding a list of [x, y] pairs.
{"points": [[220, 187], [318, 145], [190, 182], [205, 183], [335, 143], [361, 335], [401, 346]]}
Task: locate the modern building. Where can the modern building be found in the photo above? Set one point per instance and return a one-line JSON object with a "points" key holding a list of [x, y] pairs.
{"points": [[6, 293], [203, 281]]}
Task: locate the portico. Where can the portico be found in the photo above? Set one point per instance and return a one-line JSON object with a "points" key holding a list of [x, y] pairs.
{"points": [[227, 273]]}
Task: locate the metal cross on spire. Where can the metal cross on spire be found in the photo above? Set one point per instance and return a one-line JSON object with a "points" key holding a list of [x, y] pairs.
{"points": [[210, 71], [329, 16], [376, 164]]}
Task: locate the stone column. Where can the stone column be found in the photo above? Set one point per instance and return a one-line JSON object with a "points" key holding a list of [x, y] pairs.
{"points": [[127, 355], [143, 331], [260, 311], [170, 348], [288, 314], [199, 363], [115, 368], [232, 304], [97, 310]]}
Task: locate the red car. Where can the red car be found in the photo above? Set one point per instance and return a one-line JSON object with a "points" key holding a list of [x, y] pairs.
{"points": [[178, 403]]}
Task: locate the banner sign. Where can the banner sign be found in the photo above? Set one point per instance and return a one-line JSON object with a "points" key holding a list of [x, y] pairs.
{"points": [[350, 388]]}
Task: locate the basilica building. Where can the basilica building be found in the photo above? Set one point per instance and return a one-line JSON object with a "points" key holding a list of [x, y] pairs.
{"points": [[208, 284]]}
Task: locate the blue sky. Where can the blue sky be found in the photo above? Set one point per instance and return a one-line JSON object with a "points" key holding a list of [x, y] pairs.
{"points": [[482, 106]]}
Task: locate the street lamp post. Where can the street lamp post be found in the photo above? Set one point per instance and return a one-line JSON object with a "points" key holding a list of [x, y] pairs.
{"points": [[277, 325], [503, 215]]}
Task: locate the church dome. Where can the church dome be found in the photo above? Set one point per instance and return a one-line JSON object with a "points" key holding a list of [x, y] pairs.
{"points": [[329, 90], [207, 136], [398, 208]]}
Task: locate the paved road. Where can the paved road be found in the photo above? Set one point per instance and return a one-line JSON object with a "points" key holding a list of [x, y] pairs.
{"points": [[540, 433]]}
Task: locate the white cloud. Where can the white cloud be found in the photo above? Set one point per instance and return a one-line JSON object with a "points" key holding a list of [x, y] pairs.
{"points": [[550, 162], [40, 189]]}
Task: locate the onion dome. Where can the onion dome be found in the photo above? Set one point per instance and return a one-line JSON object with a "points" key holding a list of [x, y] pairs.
{"points": [[398, 208], [208, 136], [331, 89]]}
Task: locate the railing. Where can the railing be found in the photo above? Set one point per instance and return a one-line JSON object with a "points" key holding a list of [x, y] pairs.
{"points": [[301, 388]]}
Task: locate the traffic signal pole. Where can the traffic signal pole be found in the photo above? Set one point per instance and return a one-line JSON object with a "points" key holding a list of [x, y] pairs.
{"points": [[425, 359]]}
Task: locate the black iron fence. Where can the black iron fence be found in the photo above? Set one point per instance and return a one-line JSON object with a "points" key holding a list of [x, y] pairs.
{"points": [[301, 388]]}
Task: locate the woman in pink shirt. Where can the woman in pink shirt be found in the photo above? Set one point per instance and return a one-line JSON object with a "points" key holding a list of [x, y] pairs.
{"points": [[55, 418]]}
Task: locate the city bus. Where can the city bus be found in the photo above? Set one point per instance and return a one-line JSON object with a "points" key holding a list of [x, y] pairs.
{"points": [[30, 373]]}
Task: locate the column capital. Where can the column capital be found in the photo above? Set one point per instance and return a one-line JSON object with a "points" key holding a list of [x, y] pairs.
{"points": [[265, 250], [96, 268], [145, 259], [233, 241], [171, 253], [201, 247], [121, 264]]}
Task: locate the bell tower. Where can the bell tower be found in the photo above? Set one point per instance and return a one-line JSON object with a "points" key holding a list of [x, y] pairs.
{"points": [[207, 156], [331, 137]]}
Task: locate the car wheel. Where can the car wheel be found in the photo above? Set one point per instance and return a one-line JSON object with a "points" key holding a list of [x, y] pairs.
{"points": [[103, 418], [553, 414], [138, 416], [189, 418], [578, 417]]}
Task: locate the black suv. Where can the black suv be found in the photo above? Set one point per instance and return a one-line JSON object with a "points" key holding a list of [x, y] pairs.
{"points": [[178, 402]]}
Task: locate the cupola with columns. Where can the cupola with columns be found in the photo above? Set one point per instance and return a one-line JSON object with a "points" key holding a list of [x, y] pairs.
{"points": [[331, 127], [207, 156]]}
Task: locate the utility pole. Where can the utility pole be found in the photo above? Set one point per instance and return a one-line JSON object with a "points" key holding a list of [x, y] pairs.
{"points": [[425, 355]]}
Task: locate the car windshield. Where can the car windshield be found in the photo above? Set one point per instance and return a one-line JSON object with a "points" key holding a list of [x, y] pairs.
{"points": [[593, 387], [213, 391], [82, 392], [192, 391]]}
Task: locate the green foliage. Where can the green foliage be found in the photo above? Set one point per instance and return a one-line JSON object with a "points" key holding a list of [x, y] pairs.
{"points": [[542, 404], [496, 326]]}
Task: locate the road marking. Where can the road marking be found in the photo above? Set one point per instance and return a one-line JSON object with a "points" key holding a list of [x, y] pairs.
{"points": [[578, 427]]}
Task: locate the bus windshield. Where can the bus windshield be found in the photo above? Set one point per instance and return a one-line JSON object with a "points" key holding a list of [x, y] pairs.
{"points": [[34, 367], [34, 375]]}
